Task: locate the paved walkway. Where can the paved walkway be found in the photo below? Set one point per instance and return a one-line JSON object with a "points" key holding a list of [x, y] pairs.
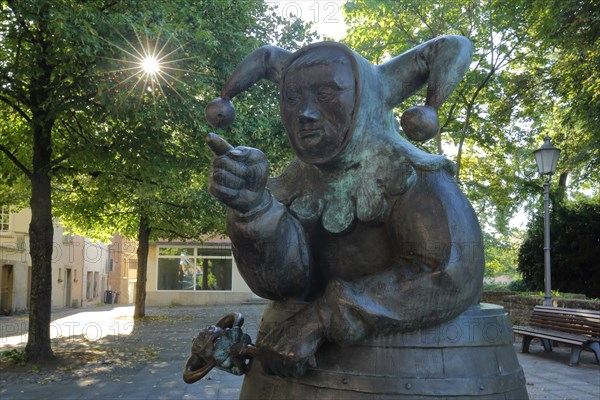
{"points": [[111, 358]]}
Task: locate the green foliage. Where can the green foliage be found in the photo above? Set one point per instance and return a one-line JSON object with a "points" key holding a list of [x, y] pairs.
{"points": [[519, 286], [15, 356], [124, 144], [501, 254], [575, 249], [565, 82], [116, 145], [536, 71], [481, 123], [496, 287]]}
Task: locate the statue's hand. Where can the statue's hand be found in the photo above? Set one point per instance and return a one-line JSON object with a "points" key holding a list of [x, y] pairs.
{"points": [[239, 175], [289, 349]]}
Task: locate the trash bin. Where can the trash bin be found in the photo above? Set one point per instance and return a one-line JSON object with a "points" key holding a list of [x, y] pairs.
{"points": [[116, 298], [108, 297]]}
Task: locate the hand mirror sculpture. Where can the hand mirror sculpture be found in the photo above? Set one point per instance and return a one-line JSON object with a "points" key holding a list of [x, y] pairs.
{"points": [[370, 253]]}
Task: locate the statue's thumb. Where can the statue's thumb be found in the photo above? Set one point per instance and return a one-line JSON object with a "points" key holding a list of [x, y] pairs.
{"points": [[217, 144]]}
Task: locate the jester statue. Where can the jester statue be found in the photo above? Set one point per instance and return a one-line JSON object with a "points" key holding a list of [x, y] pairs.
{"points": [[370, 253]]}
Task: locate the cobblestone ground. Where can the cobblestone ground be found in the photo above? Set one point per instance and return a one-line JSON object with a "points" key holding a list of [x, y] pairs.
{"points": [[108, 355], [102, 354]]}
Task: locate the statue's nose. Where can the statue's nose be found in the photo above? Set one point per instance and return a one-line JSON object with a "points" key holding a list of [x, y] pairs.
{"points": [[309, 113]]}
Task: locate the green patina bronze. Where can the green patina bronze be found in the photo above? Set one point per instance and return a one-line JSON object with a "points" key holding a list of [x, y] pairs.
{"points": [[362, 239]]}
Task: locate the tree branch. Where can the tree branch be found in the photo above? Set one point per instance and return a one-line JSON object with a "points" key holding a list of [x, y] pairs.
{"points": [[54, 163], [109, 5], [15, 107], [16, 161], [175, 233]]}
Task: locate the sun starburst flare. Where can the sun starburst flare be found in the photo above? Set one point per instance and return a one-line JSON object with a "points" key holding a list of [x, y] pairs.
{"points": [[151, 65], [148, 67]]}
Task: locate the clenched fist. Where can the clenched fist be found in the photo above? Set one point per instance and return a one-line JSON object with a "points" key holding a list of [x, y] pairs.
{"points": [[239, 175]]}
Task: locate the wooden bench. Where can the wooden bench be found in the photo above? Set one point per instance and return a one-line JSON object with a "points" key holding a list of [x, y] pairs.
{"points": [[579, 328]]}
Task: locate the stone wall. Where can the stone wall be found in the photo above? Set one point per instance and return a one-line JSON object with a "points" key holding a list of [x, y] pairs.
{"points": [[519, 307], [495, 296]]}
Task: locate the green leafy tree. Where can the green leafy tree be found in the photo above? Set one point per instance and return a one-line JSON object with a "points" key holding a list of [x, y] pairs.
{"points": [[158, 166], [480, 122], [560, 86], [535, 72], [46, 58], [482, 127], [501, 255], [76, 123]]}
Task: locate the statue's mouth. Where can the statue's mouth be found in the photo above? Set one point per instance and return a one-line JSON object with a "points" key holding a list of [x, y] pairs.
{"points": [[310, 133]]}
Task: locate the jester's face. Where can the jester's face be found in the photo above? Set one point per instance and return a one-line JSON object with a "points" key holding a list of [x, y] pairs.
{"points": [[317, 104]]}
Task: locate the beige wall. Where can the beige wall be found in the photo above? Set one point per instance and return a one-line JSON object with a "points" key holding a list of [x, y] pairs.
{"points": [[95, 260], [123, 254], [80, 256], [67, 269]]}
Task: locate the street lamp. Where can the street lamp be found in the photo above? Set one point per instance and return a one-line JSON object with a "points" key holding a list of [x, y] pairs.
{"points": [[546, 158]]}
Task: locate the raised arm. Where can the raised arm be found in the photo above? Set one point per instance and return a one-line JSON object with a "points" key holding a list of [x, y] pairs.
{"points": [[269, 245]]}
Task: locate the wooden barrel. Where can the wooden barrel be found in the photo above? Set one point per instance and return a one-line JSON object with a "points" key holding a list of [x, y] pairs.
{"points": [[470, 357]]}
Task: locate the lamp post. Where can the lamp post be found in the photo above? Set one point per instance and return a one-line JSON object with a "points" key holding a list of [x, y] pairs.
{"points": [[546, 158]]}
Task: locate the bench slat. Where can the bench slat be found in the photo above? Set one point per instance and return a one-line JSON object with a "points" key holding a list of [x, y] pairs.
{"points": [[575, 311], [584, 319], [551, 335], [582, 322], [565, 325]]}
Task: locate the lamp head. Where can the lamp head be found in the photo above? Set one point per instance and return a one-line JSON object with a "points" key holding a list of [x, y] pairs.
{"points": [[546, 157]]}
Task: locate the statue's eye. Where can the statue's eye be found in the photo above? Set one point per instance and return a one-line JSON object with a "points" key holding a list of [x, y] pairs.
{"points": [[292, 94], [326, 94]]}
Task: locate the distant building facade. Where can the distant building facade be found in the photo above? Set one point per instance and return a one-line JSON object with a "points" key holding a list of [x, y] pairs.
{"points": [[194, 273], [79, 266], [179, 273], [15, 263], [122, 268]]}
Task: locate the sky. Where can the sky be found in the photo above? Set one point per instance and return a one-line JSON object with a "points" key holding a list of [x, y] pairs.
{"points": [[326, 15]]}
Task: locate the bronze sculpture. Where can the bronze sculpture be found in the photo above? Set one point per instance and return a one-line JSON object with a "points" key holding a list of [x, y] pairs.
{"points": [[363, 236]]}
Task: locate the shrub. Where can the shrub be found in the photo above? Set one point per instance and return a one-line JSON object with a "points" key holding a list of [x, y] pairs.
{"points": [[15, 356], [519, 286], [575, 247]]}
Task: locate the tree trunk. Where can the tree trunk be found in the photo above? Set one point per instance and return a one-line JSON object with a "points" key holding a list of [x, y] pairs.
{"points": [[41, 232], [142, 269], [41, 229]]}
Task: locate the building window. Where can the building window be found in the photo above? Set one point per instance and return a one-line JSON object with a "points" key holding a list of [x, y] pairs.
{"points": [[4, 219], [89, 284], [96, 279], [195, 268]]}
